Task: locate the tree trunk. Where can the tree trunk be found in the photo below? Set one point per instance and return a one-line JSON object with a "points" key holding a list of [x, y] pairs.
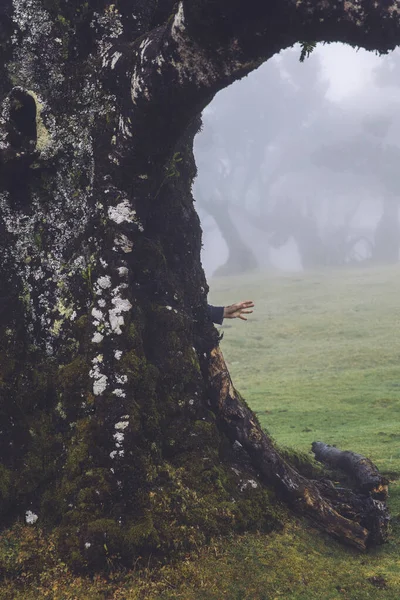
{"points": [[387, 233], [241, 258], [107, 433]]}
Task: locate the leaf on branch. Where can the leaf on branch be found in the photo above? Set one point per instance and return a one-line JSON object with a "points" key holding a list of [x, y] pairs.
{"points": [[306, 49]]}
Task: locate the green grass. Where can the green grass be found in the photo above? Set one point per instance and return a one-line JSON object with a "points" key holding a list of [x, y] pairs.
{"points": [[318, 360]]}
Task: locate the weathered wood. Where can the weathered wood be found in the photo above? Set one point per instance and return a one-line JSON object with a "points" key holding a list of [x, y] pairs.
{"points": [[365, 474], [357, 520]]}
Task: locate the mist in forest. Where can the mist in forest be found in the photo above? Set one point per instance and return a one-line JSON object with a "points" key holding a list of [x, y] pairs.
{"points": [[298, 164]]}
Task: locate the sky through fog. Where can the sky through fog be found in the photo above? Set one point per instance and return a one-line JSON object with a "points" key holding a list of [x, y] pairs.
{"points": [[350, 87], [348, 70]]}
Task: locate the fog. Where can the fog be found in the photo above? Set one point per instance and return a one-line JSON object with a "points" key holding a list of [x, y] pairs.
{"points": [[299, 164]]}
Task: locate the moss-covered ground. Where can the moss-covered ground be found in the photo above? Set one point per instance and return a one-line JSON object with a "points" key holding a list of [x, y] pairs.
{"points": [[318, 360]]}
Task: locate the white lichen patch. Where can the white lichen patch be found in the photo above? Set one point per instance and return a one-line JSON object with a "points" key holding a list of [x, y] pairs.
{"points": [[100, 384], [179, 21], [97, 337], [97, 314], [119, 393], [123, 127], [122, 212], [60, 410], [114, 59], [123, 243], [248, 483], [159, 60], [143, 47], [117, 290], [119, 436], [115, 314], [104, 282], [137, 84], [30, 517], [100, 379], [116, 321]]}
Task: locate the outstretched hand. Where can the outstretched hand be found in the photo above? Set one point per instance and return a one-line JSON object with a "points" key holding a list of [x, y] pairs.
{"points": [[238, 310]]}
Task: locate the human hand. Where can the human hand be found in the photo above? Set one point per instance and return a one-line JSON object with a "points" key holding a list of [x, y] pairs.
{"points": [[238, 310]]}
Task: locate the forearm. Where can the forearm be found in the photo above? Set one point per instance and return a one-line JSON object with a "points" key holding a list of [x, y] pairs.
{"points": [[216, 313]]}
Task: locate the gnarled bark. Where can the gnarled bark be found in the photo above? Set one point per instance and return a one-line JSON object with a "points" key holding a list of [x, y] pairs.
{"points": [[362, 470]]}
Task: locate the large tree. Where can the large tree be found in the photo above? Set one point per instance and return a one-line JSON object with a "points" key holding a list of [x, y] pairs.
{"points": [[115, 401]]}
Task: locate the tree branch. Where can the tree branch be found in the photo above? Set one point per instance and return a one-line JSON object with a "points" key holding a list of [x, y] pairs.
{"points": [[360, 468], [177, 68]]}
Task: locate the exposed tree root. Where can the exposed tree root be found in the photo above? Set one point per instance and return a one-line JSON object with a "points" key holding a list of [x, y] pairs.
{"points": [[365, 474], [354, 518]]}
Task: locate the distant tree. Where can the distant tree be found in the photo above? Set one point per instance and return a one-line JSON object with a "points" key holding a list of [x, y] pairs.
{"points": [[244, 173], [250, 139], [374, 160]]}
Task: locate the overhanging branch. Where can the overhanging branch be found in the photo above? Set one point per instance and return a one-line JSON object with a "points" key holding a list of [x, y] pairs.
{"points": [[176, 69]]}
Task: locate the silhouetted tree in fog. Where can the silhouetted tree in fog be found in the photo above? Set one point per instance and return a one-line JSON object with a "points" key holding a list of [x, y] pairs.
{"points": [[251, 138], [373, 160]]}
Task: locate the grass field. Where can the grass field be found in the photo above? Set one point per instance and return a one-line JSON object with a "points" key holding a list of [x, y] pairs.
{"points": [[318, 360]]}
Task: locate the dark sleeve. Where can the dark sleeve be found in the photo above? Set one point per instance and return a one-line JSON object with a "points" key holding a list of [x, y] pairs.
{"points": [[216, 313]]}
